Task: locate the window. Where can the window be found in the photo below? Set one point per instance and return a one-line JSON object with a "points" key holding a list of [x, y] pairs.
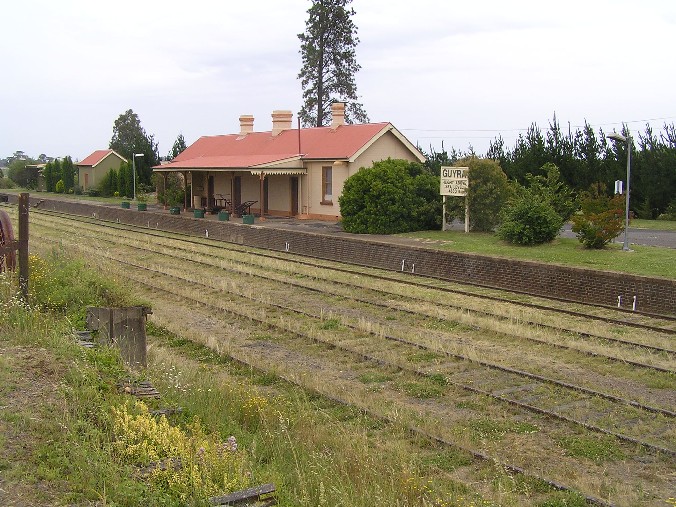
{"points": [[327, 185]]}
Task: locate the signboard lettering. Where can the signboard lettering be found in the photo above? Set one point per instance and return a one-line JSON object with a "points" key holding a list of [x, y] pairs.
{"points": [[454, 181]]}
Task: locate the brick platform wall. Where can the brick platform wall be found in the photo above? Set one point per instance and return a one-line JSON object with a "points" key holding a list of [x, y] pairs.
{"points": [[584, 285]]}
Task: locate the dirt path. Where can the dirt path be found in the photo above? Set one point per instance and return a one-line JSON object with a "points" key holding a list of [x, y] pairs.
{"points": [[29, 396]]}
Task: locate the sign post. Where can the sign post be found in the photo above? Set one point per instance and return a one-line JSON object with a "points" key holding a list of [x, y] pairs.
{"points": [[454, 181]]}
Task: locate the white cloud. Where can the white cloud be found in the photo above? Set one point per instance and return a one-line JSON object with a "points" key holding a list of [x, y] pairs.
{"points": [[195, 67]]}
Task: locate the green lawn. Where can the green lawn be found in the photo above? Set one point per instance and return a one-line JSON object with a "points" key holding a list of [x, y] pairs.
{"points": [[655, 225], [150, 198], [642, 260]]}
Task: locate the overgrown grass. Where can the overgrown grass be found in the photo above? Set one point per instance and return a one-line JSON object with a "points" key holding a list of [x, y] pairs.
{"points": [[63, 456], [317, 452], [642, 260]]}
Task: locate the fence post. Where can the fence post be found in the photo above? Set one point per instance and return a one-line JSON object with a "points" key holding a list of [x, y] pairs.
{"points": [[23, 244]]}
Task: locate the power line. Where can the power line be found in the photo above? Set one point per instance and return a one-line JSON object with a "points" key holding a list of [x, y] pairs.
{"points": [[526, 129]]}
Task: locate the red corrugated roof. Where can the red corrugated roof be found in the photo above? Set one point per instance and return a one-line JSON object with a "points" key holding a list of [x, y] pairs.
{"points": [[260, 148], [96, 157]]}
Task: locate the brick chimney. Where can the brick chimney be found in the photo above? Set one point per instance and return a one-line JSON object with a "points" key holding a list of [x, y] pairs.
{"points": [[337, 114], [281, 120], [246, 124]]}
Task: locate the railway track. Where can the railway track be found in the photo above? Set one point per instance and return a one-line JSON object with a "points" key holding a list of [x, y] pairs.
{"points": [[523, 391], [667, 323], [211, 261], [515, 390]]}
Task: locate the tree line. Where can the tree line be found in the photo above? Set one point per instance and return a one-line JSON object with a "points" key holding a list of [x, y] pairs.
{"points": [[59, 175], [585, 158]]}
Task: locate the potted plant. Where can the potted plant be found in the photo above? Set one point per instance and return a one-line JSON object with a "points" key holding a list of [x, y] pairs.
{"points": [[141, 201], [172, 199]]}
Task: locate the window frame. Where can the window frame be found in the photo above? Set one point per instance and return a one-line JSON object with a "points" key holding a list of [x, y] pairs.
{"points": [[327, 184]]}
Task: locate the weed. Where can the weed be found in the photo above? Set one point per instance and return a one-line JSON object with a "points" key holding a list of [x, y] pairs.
{"points": [[448, 460], [424, 356], [262, 337], [264, 378], [469, 404], [423, 389], [596, 448], [438, 379], [188, 462], [564, 499], [373, 377], [330, 324], [491, 430]]}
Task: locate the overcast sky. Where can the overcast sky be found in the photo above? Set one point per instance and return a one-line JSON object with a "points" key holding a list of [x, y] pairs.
{"points": [[458, 72]]}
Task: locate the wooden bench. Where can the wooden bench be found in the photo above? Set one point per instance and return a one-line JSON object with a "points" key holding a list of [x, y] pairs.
{"points": [[240, 209], [259, 496]]}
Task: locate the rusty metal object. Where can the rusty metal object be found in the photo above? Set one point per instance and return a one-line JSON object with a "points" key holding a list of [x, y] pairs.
{"points": [[7, 244]]}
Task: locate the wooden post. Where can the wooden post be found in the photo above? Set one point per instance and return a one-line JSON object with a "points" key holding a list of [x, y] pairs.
{"points": [[262, 195], [23, 244], [185, 190], [443, 214], [164, 175], [466, 214]]}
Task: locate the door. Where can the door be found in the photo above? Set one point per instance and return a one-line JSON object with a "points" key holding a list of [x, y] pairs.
{"points": [[294, 196]]}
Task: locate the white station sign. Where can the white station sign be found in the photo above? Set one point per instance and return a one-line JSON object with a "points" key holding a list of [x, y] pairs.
{"points": [[454, 180]]}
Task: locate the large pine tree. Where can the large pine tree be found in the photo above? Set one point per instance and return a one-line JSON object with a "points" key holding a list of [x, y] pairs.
{"points": [[329, 63]]}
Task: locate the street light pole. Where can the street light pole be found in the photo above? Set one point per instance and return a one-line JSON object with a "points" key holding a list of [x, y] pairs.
{"points": [[619, 137], [133, 165]]}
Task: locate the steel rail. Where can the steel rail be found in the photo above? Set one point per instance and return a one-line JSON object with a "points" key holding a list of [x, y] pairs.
{"points": [[627, 439], [420, 285]]}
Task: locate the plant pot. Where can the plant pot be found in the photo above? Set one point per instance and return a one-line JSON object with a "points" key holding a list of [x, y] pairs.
{"points": [[198, 213], [175, 210], [125, 204], [142, 206], [223, 216], [248, 219]]}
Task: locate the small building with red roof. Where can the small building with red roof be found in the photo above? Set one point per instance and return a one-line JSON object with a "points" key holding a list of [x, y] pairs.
{"points": [[93, 168], [285, 171]]}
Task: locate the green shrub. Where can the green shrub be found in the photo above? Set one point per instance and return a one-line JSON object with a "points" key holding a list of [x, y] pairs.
{"points": [[7, 183], [60, 187], [487, 193], [109, 183], [93, 192], [392, 196], [601, 219], [553, 190], [669, 214], [529, 220]]}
